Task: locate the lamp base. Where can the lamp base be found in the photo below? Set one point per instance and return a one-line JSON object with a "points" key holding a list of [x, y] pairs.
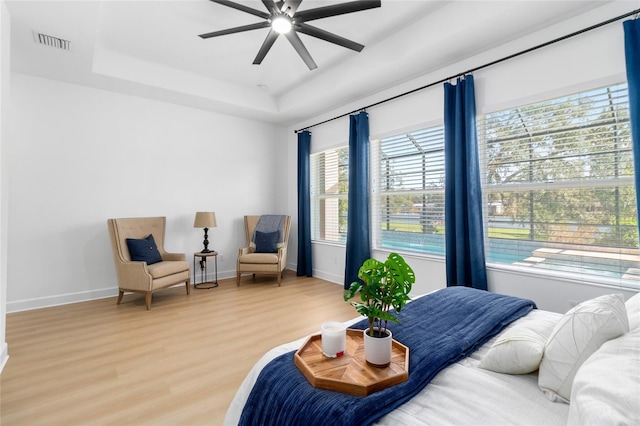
{"points": [[206, 242]]}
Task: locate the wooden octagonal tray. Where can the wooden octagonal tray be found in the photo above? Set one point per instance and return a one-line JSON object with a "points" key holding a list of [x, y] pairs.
{"points": [[350, 373]]}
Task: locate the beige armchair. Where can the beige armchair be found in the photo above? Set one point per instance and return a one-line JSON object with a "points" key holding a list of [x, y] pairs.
{"points": [[251, 260], [138, 276]]}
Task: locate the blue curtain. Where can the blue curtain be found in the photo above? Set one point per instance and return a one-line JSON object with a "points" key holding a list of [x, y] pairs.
{"points": [[358, 230], [304, 205], [632, 54], [463, 194]]}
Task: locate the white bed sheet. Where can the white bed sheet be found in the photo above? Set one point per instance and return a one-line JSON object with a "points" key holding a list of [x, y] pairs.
{"points": [[461, 394]]}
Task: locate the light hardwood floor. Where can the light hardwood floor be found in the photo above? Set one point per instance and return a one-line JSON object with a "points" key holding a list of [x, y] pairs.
{"points": [[96, 363]]}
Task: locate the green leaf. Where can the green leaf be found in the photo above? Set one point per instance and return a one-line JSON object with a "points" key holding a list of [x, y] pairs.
{"points": [[384, 285]]}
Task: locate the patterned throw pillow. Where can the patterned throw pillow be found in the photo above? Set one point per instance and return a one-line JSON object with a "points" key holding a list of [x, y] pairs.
{"points": [[580, 332]]}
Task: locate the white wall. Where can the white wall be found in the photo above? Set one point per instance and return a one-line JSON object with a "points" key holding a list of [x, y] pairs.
{"points": [[589, 60], [79, 156], [5, 32]]}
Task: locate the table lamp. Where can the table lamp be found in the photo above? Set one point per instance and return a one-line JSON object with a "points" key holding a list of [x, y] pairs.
{"points": [[205, 220]]}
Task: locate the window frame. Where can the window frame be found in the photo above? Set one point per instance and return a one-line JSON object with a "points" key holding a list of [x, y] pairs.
{"points": [[589, 183]]}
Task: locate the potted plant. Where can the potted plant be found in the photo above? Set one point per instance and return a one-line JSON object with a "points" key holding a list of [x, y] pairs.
{"points": [[383, 286]]}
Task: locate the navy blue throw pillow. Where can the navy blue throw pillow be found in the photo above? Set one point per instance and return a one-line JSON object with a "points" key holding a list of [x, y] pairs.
{"points": [[144, 250], [266, 242]]}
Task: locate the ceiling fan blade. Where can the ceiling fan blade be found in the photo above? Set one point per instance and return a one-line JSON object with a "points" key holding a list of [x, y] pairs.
{"points": [[336, 9], [268, 42], [295, 41], [330, 37], [271, 7], [234, 30], [243, 8]]}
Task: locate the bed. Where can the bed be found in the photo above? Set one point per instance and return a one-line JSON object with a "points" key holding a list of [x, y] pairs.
{"points": [[579, 368]]}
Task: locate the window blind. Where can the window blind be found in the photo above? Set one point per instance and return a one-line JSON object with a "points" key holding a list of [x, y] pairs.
{"points": [[329, 190], [559, 189], [408, 197]]}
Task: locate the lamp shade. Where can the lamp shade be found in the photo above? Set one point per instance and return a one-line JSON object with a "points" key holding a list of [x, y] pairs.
{"points": [[205, 220]]}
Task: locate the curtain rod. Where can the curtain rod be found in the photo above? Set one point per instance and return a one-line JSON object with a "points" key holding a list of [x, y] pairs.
{"points": [[497, 61]]}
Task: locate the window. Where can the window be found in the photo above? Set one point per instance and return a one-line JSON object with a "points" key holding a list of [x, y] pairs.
{"points": [[329, 189], [559, 186], [409, 195]]}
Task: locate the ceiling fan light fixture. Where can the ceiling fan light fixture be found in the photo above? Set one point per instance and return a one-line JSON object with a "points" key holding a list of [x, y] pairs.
{"points": [[281, 24]]}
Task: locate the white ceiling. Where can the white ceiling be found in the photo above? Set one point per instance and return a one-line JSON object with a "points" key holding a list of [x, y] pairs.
{"points": [[151, 48]]}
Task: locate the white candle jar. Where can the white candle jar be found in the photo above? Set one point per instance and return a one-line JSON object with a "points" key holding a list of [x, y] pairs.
{"points": [[334, 339]]}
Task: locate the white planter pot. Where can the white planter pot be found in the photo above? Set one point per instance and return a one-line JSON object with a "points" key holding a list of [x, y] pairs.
{"points": [[377, 350]]}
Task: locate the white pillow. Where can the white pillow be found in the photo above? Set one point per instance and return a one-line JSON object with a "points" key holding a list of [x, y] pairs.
{"points": [[579, 333], [519, 349], [633, 311], [606, 389]]}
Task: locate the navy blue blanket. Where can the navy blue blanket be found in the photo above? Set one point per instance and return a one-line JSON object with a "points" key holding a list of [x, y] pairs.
{"points": [[272, 223], [439, 329]]}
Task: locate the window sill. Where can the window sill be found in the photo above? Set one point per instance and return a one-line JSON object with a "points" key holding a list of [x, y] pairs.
{"points": [[573, 278]]}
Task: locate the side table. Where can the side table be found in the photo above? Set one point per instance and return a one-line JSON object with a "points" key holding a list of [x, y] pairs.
{"points": [[203, 270]]}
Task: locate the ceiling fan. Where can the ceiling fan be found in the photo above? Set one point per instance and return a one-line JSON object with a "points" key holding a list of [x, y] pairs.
{"points": [[283, 18]]}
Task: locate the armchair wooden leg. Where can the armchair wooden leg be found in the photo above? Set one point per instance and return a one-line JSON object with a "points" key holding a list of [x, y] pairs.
{"points": [[238, 279], [279, 278], [120, 296], [188, 286], [147, 299]]}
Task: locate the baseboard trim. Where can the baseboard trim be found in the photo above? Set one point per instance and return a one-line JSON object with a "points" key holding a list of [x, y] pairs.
{"points": [[211, 275], [4, 356], [327, 276], [60, 299], [83, 296]]}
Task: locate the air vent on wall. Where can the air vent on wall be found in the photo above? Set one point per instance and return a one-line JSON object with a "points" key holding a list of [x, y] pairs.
{"points": [[52, 41]]}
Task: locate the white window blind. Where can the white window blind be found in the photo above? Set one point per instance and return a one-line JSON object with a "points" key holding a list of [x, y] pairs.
{"points": [[408, 199], [559, 188], [329, 190]]}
